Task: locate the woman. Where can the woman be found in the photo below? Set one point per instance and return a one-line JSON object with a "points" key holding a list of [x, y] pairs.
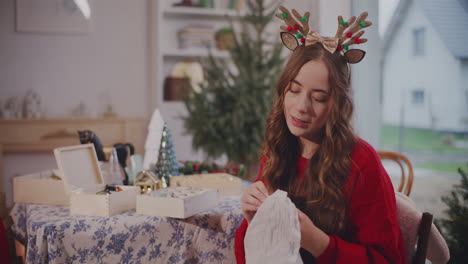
{"points": [[345, 199]]}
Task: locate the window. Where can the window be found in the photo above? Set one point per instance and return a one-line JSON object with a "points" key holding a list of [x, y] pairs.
{"points": [[418, 41], [417, 119], [417, 97], [466, 99]]}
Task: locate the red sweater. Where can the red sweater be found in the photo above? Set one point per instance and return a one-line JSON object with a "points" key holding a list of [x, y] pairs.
{"points": [[373, 233]]}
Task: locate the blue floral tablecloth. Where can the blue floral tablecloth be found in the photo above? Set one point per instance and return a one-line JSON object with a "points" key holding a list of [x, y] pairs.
{"points": [[53, 235]]}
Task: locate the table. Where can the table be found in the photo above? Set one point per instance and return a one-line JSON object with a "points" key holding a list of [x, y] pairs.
{"points": [[54, 236]]}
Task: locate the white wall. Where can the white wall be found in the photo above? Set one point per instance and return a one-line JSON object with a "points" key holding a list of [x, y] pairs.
{"points": [[438, 72], [68, 69], [464, 89], [366, 76], [329, 12]]}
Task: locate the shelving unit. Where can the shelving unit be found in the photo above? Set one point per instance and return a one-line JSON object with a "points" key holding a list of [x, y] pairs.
{"points": [[193, 53], [199, 11], [168, 20]]}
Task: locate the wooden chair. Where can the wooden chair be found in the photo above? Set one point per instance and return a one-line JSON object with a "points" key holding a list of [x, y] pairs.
{"points": [[405, 182]]}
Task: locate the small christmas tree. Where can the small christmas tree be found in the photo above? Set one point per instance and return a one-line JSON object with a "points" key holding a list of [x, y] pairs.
{"points": [[167, 162], [227, 116], [455, 228]]}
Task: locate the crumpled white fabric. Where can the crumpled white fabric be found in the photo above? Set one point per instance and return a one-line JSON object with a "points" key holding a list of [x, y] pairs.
{"points": [[274, 235]]}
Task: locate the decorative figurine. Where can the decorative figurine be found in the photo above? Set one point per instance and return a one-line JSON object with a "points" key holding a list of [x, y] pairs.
{"points": [[80, 110], [112, 171], [32, 105], [135, 166], [148, 182], [88, 136], [153, 141], [124, 151], [12, 108], [167, 165]]}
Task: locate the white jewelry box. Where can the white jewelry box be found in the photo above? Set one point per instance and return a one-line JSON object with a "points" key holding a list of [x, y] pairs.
{"points": [[177, 202], [225, 183], [82, 176], [40, 188]]}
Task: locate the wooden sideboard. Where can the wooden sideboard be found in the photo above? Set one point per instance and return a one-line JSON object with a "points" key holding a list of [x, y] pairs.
{"points": [[43, 135], [24, 135]]}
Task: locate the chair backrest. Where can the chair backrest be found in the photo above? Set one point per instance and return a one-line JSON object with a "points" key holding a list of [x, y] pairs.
{"points": [[424, 231], [405, 182], [418, 231]]}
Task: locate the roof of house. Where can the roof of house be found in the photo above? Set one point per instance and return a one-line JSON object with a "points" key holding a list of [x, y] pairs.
{"points": [[449, 19]]}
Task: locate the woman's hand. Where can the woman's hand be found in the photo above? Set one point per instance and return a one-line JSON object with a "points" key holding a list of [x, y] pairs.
{"points": [[252, 198], [313, 239], [305, 223]]}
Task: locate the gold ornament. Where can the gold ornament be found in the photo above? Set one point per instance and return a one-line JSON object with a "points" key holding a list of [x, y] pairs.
{"points": [[148, 182]]}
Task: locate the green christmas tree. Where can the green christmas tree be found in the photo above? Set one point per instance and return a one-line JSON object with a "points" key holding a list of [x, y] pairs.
{"points": [[228, 115], [167, 162], [455, 227]]}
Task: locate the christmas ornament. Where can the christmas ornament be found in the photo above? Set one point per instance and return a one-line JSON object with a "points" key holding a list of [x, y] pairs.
{"points": [[167, 162]]}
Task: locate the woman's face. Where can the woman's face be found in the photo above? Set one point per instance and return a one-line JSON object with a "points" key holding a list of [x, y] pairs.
{"points": [[307, 101]]}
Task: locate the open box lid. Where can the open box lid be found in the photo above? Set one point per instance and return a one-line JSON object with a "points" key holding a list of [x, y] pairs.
{"points": [[79, 167]]}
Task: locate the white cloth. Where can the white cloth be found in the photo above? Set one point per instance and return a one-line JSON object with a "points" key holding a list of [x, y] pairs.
{"points": [[274, 235]]}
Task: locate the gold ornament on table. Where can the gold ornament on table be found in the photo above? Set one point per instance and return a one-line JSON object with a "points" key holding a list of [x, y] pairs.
{"points": [[148, 182]]}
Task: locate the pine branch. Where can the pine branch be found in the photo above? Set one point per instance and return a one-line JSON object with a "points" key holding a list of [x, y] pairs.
{"points": [[228, 115], [455, 227]]}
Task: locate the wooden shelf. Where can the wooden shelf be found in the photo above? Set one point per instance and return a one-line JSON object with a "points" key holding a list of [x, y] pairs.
{"points": [[43, 135], [164, 27], [200, 11], [191, 53]]}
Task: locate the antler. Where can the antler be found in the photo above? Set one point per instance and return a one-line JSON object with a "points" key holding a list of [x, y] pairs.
{"points": [[291, 23], [354, 33]]}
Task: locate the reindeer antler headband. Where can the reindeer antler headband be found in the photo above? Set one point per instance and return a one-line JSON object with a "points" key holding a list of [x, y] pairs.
{"points": [[341, 42]]}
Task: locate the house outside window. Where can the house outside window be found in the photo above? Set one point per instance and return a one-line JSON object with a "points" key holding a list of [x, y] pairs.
{"points": [[419, 37], [417, 97], [424, 98]]}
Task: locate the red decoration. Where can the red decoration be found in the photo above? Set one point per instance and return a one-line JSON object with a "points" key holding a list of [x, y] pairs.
{"points": [[303, 40], [296, 27], [339, 48], [357, 41], [235, 169], [196, 167], [289, 29], [349, 35]]}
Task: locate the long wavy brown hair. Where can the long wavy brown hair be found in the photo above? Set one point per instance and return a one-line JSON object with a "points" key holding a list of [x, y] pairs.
{"points": [[320, 194]]}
